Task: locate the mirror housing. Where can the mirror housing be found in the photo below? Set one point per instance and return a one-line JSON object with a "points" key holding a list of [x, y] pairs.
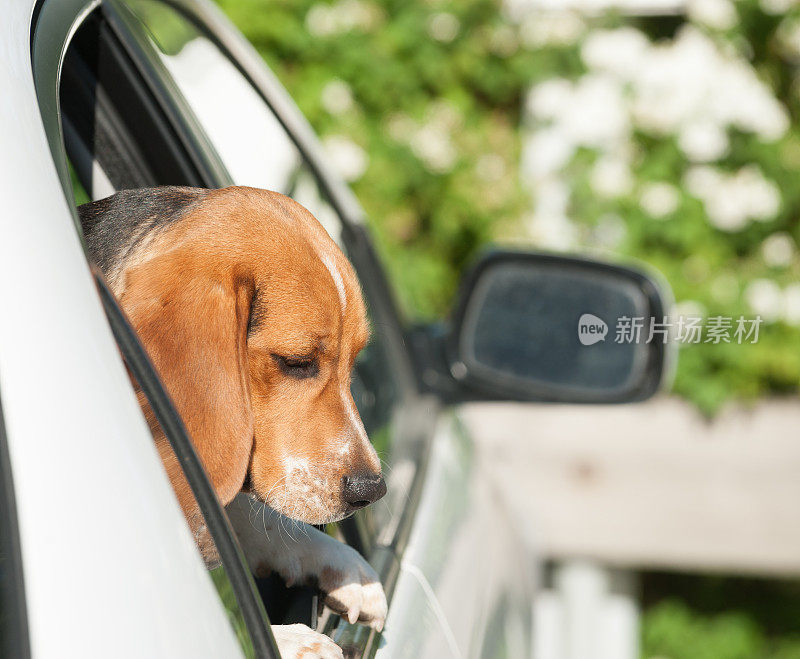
{"points": [[544, 327]]}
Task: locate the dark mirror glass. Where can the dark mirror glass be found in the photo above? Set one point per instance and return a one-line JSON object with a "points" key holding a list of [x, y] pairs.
{"points": [[559, 328]]}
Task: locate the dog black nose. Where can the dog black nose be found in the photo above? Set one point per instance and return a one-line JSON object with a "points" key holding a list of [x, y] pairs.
{"points": [[360, 490]]}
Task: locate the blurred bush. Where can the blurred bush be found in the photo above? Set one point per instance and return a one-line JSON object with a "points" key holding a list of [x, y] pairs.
{"points": [[671, 629], [672, 139], [689, 616], [419, 107]]}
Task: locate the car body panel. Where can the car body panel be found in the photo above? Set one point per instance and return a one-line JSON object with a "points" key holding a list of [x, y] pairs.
{"points": [[109, 564], [465, 557]]}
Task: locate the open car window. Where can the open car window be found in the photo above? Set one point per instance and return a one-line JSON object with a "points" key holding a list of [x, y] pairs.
{"points": [[257, 150]]}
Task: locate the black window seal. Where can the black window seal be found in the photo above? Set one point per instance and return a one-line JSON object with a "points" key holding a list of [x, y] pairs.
{"points": [[197, 149], [97, 80], [219, 527], [15, 643]]}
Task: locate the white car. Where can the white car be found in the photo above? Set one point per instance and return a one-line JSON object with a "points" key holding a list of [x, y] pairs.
{"points": [[96, 559]]}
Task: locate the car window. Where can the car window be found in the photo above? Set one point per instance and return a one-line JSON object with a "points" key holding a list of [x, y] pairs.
{"points": [[257, 150], [111, 144], [250, 140]]}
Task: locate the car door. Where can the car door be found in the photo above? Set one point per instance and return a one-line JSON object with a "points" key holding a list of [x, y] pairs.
{"points": [[96, 555], [199, 90]]}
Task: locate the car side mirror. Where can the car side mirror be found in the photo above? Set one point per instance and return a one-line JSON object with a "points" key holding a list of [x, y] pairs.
{"points": [[534, 326]]}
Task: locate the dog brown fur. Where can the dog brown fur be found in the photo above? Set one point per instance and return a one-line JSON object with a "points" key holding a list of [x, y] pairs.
{"points": [[228, 298]]}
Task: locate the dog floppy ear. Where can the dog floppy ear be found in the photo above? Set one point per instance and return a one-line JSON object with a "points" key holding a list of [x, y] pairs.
{"points": [[191, 314]]}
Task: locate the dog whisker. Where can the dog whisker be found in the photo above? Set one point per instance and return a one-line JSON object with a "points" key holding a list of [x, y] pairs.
{"points": [[385, 466]]}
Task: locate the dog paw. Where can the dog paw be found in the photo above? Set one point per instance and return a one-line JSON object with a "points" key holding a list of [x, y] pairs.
{"points": [[350, 585], [301, 642], [352, 588]]}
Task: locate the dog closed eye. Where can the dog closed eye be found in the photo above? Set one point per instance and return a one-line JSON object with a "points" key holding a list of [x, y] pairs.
{"points": [[253, 317], [300, 368]]}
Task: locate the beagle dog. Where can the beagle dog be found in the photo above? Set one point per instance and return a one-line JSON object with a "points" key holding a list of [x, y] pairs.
{"points": [[253, 317]]}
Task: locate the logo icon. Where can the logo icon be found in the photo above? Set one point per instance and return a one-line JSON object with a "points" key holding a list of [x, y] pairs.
{"points": [[591, 329]]}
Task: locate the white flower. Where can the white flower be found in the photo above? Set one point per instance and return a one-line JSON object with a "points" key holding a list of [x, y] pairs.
{"points": [[336, 97], [552, 231], [352, 14], [778, 250], [549, 225], [433, 146], [691, 80], [777, 6], [558, 28], [598, 115], [349, 159], [732, 200], [726, 212], [764, 298], [791, 304], [619, 51], [717, 14], [659, 199], [590, 112], [320, 21], [609, 232], [547, 99], [552, 197], [400, 127], [703, 141], [788, 37], [324, 20], [444, 115], [699, 180], [673, 80], [611, 177], [544, 153], [443, 26], [761, 114], [763, 199], [504, 41]]}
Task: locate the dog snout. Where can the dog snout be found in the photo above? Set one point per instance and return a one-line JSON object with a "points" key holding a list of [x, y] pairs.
{"points": [[360, 490]]}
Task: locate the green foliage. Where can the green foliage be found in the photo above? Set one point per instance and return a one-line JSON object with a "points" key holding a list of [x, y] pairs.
{"points": [[434, 97], [671, 630], [428, 220], [716, 617]]}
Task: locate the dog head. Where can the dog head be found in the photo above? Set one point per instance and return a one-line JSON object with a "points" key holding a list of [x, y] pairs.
{"points": [[254, 317]]}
